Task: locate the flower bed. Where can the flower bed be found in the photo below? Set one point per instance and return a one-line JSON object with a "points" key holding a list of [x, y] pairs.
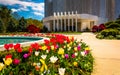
{"points": [[61, 55]]}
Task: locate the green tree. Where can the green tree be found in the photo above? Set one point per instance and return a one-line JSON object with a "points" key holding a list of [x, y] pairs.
{"points": [[117, 21], [22, 25], [35, 22], [5, 15], [11, 26], [118, 17], [1, 26]]}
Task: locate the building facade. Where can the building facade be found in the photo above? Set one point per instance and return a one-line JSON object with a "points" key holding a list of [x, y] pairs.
{"points": [[79, 15]]}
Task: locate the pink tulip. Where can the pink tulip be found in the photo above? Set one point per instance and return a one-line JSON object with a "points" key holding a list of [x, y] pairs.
{"points": [[26, 55], [16, 61], [73, 55], [66, 56], [78, 47]]}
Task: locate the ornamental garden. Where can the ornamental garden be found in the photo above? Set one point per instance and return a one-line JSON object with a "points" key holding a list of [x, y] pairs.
{"points": [[57, 55], [60, 55]]}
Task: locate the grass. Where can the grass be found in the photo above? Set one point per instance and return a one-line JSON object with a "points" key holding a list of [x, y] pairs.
{"points": [[67, 33], [13, 33]]}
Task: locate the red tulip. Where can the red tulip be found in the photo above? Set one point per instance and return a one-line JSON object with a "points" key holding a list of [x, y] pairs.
{"points": [[6, 46], [11, 45], [46, 42], [16, 46], [48, 47], [30, 50], [8, 56], [19, 50], [35, 46]]}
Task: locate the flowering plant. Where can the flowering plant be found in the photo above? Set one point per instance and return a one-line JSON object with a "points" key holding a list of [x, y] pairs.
{"points": [[60, 54]]}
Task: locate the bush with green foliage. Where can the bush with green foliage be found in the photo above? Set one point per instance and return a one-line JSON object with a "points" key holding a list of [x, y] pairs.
{"points": [[100, 36], [108, 23], [118, 36], [113, 26], [108, 34], [117, 21]]}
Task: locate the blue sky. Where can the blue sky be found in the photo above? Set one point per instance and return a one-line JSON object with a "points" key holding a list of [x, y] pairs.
{"points": [[26, 8]]}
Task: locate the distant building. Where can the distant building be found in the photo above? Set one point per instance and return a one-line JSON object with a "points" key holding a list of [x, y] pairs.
{"points": [[79, 15]]}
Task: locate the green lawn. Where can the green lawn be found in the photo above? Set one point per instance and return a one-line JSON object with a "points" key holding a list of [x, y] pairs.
{"points": [[68, 33]]}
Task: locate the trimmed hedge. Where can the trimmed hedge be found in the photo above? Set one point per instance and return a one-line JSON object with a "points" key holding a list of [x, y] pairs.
{"points": [[108, 34]]}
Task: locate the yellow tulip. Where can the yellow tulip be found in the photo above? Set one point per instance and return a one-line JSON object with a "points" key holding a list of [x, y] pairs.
{"points": [[71, 37], [75, 64], [61, 51], [68, 45], [44, 66], [71, 43], [1, 66], [75, 48], [63, 56], [44, 47], [87, 48], [8, 61], [52, 47]]}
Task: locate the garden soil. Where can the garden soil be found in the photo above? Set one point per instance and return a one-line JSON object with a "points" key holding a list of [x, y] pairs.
{"points": [[105, 52]]}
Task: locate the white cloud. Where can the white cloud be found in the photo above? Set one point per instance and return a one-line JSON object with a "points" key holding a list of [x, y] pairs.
{"points": [[14, 10], [36, 7], [39, 14]]}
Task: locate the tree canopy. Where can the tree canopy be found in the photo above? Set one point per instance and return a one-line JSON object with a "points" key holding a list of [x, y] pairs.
{"points": [[13, 22]]}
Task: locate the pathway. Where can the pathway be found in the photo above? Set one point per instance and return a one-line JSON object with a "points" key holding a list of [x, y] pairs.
{"points": [[106, 53]]}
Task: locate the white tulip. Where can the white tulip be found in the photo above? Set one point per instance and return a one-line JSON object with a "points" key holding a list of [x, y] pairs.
{"points": [[53, 59], [1, 64], [36, 53], [47, 51], [38, 64], [69, 48], [83, 53], [61, 71], [76, 54], [44, 57]]}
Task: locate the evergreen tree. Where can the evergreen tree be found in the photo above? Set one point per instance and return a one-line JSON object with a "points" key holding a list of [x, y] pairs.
{"points": [[22, 25], [11, 26], [118, 17], [1, 26], [5, 16]]}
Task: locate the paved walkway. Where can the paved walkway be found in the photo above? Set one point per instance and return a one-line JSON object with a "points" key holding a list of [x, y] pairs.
{"points": [[105, 52]]}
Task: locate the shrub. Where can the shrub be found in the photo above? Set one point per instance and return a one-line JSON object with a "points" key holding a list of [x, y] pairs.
{"points": [[117, 21], [33, 29], [108, 32], [99, 36], [108, 23], [95, 28], [114, 26], [110, 37], [118, 36], [101, 27]]}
